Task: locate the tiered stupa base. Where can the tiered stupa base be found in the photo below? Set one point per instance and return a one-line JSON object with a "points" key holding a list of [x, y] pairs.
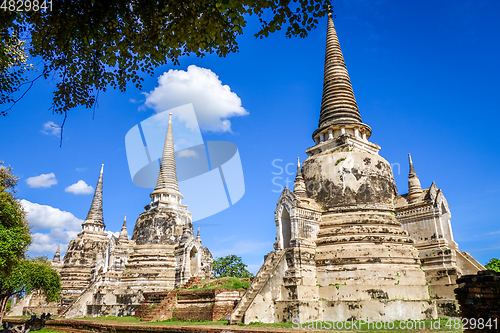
{"points": [[151, 267], [367, 265], [78, 263]]}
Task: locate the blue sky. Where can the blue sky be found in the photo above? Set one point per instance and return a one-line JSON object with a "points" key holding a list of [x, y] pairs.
{"points": [[425, 76]]}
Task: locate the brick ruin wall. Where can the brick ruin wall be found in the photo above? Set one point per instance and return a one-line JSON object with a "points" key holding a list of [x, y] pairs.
{"points": [[198, 305], [479, 297]]}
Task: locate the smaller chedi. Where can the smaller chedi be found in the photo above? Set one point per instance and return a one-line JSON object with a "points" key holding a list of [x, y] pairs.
{"points": [[102, 276]]}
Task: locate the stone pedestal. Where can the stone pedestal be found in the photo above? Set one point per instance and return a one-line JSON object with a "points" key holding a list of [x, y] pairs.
{"points": [[363, 255], [151, 268], [78, 263]]}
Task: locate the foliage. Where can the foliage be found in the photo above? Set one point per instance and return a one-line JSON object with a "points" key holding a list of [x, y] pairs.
{"points": [[33, 274], [14, 231], [91, 45], [13, 67], [493, 264], [223, 283], [230, 266], [17, 274]]}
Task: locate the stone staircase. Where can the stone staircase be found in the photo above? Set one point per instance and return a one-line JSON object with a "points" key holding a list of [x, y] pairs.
{"points": [[157, 306], [192, 281], [63, 312], [258, 282]]}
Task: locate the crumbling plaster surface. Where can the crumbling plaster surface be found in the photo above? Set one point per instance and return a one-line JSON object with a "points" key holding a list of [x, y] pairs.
{"points": [[79, 260], [161, 226], [468, 265], [262, 309], [337, 180], [378, 310]]}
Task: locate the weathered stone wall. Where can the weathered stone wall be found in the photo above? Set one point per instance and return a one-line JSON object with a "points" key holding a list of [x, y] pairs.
{"points": [[467, 264], [343, 179], [38, 310], [204, 305], [79, 260], [207, 305], [479, 297], [265, 289], [363, 254], [162, 225], [33, 303]]}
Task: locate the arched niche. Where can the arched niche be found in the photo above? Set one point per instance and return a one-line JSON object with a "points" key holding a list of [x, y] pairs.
{"points": [[194, 261], [286, 228]]}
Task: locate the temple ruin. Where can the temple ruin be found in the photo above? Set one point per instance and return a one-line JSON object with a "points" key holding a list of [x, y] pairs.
{"points": [[348, 246], [102, 276]]}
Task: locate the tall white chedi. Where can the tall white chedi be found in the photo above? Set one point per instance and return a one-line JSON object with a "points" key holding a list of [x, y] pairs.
{"points": [[82, 251], [163, 234]]}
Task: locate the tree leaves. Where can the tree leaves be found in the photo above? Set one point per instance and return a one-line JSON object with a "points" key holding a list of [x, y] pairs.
{"points": [[90, 45], [17, 274], [230, 266], [14, 230], [493, 264]]}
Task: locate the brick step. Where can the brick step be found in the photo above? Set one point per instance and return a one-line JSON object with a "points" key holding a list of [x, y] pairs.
{"points": [[192, 281], [164, 308]]}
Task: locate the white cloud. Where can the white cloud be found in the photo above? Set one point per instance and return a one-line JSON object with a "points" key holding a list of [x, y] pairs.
{"points": [[50, 128], [188, 153], [213, 102], [43, 243], [63, 227], [135, 101], [44, 180], [81, 169], [47, 217], [80, 187]]}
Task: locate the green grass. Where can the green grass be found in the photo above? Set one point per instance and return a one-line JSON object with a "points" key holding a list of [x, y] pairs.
{"points": [[222, 283], [426, 327], [130, 319], [284, 326]]}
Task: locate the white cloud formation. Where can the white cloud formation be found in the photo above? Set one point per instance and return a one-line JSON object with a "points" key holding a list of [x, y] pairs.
{"points": [[51, 128], [51, 226], [81, 169], [63, 227], [80, 187], [44, 180], [213, 102], [188, 153], [47, 217]]}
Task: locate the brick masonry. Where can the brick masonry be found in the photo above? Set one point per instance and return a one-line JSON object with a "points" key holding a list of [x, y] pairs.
{"points": [[479, 297], [199, 305]]}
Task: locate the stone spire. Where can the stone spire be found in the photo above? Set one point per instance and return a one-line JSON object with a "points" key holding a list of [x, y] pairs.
{"points": [[167, 188], [414, 187], [198, 235], [338, 105], [57, 256], [299, 187], [95, 219], [123, 233]]}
